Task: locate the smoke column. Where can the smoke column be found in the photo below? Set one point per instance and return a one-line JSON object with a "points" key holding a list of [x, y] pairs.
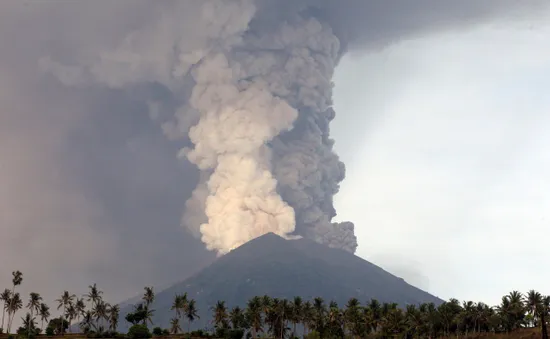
{"points": [[265, 87], [253, 89], [254, 82]]}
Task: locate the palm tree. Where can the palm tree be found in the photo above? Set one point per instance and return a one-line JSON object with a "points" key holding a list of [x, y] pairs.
{"points": [[285, 313], [375, 314], [148, 296], [276, 316], [352, 316], [15, 305], [175, 325], [80, 308], [307, 316], [334, 321], [44, 313], [34, 303], [71, 314], [148, 316], [100, 312], [220, 314], [532, 301], [64, 301], [29, 324], [16, 281], [87, 322], [95, 294], [512, 311], [319, 312], [141, 314], [191, 313], [466, 318], [413, 320], [114, 312], [267, 302], [237, 318], [544, 311], [5, 297], [179, 304], [393, 322], [254, 316], [296, 313]]}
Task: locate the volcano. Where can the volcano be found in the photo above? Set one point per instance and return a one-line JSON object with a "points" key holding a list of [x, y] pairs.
{"points": [[271, 265]]}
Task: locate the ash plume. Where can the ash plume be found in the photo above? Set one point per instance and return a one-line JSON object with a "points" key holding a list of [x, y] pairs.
{"points": [[256, 105], [253, 82]]}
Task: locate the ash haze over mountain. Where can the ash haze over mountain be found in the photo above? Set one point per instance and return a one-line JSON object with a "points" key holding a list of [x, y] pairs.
{"points": [[99, 98]]}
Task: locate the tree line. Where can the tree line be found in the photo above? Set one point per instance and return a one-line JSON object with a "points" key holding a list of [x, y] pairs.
{"points": [[264, 316]]}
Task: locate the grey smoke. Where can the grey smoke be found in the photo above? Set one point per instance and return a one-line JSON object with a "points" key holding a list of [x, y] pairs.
{"points": [[289, 49], [83, 162]]}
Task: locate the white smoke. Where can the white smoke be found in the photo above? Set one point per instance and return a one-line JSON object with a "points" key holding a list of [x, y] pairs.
{"points": [[230, 139], [239, 95]]}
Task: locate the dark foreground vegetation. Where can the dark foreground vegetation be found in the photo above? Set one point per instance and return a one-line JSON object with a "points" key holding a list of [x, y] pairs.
{"points": [[266, 317]]}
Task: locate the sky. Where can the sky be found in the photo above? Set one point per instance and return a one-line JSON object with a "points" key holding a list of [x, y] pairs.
{"points": [[442, 134], [447, 162]]}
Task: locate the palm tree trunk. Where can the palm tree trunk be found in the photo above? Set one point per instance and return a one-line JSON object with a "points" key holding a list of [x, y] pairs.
{"points": [[543, 323], [62, 321], [3, 314], [9, 320], [11, 316], [29, 329], [11, 301], [92, 320]]}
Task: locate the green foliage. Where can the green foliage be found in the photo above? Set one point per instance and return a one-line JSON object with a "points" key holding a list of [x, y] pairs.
{"points": [[58, 326], [269, 317], [139, 331], [141, 314], [313, 335], [235, 334], [50, 331], [102, 334], [22, 332], [200, 334], [227, 333]]}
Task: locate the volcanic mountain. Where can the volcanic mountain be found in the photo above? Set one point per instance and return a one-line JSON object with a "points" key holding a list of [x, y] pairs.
{"points": [[285, 268]]}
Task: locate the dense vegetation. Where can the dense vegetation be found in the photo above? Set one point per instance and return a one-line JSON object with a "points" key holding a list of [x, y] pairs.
{"points": [[264, 316]]}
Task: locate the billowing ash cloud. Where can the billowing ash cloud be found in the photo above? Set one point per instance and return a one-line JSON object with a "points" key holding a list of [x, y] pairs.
{"points": [[256, 101], [253, 89]]}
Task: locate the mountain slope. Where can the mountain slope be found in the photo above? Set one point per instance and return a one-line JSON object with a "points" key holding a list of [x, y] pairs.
{"points": [[286, 268]]}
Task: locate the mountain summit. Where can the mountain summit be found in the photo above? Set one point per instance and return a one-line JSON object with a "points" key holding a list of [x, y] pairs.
{"points": [[284, 269]]}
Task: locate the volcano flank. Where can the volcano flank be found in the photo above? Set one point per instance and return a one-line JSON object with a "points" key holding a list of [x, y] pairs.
{"points": [[271, 265]]}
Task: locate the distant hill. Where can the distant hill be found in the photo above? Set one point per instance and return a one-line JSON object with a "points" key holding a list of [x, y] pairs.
{"points": [[284, 268]]}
